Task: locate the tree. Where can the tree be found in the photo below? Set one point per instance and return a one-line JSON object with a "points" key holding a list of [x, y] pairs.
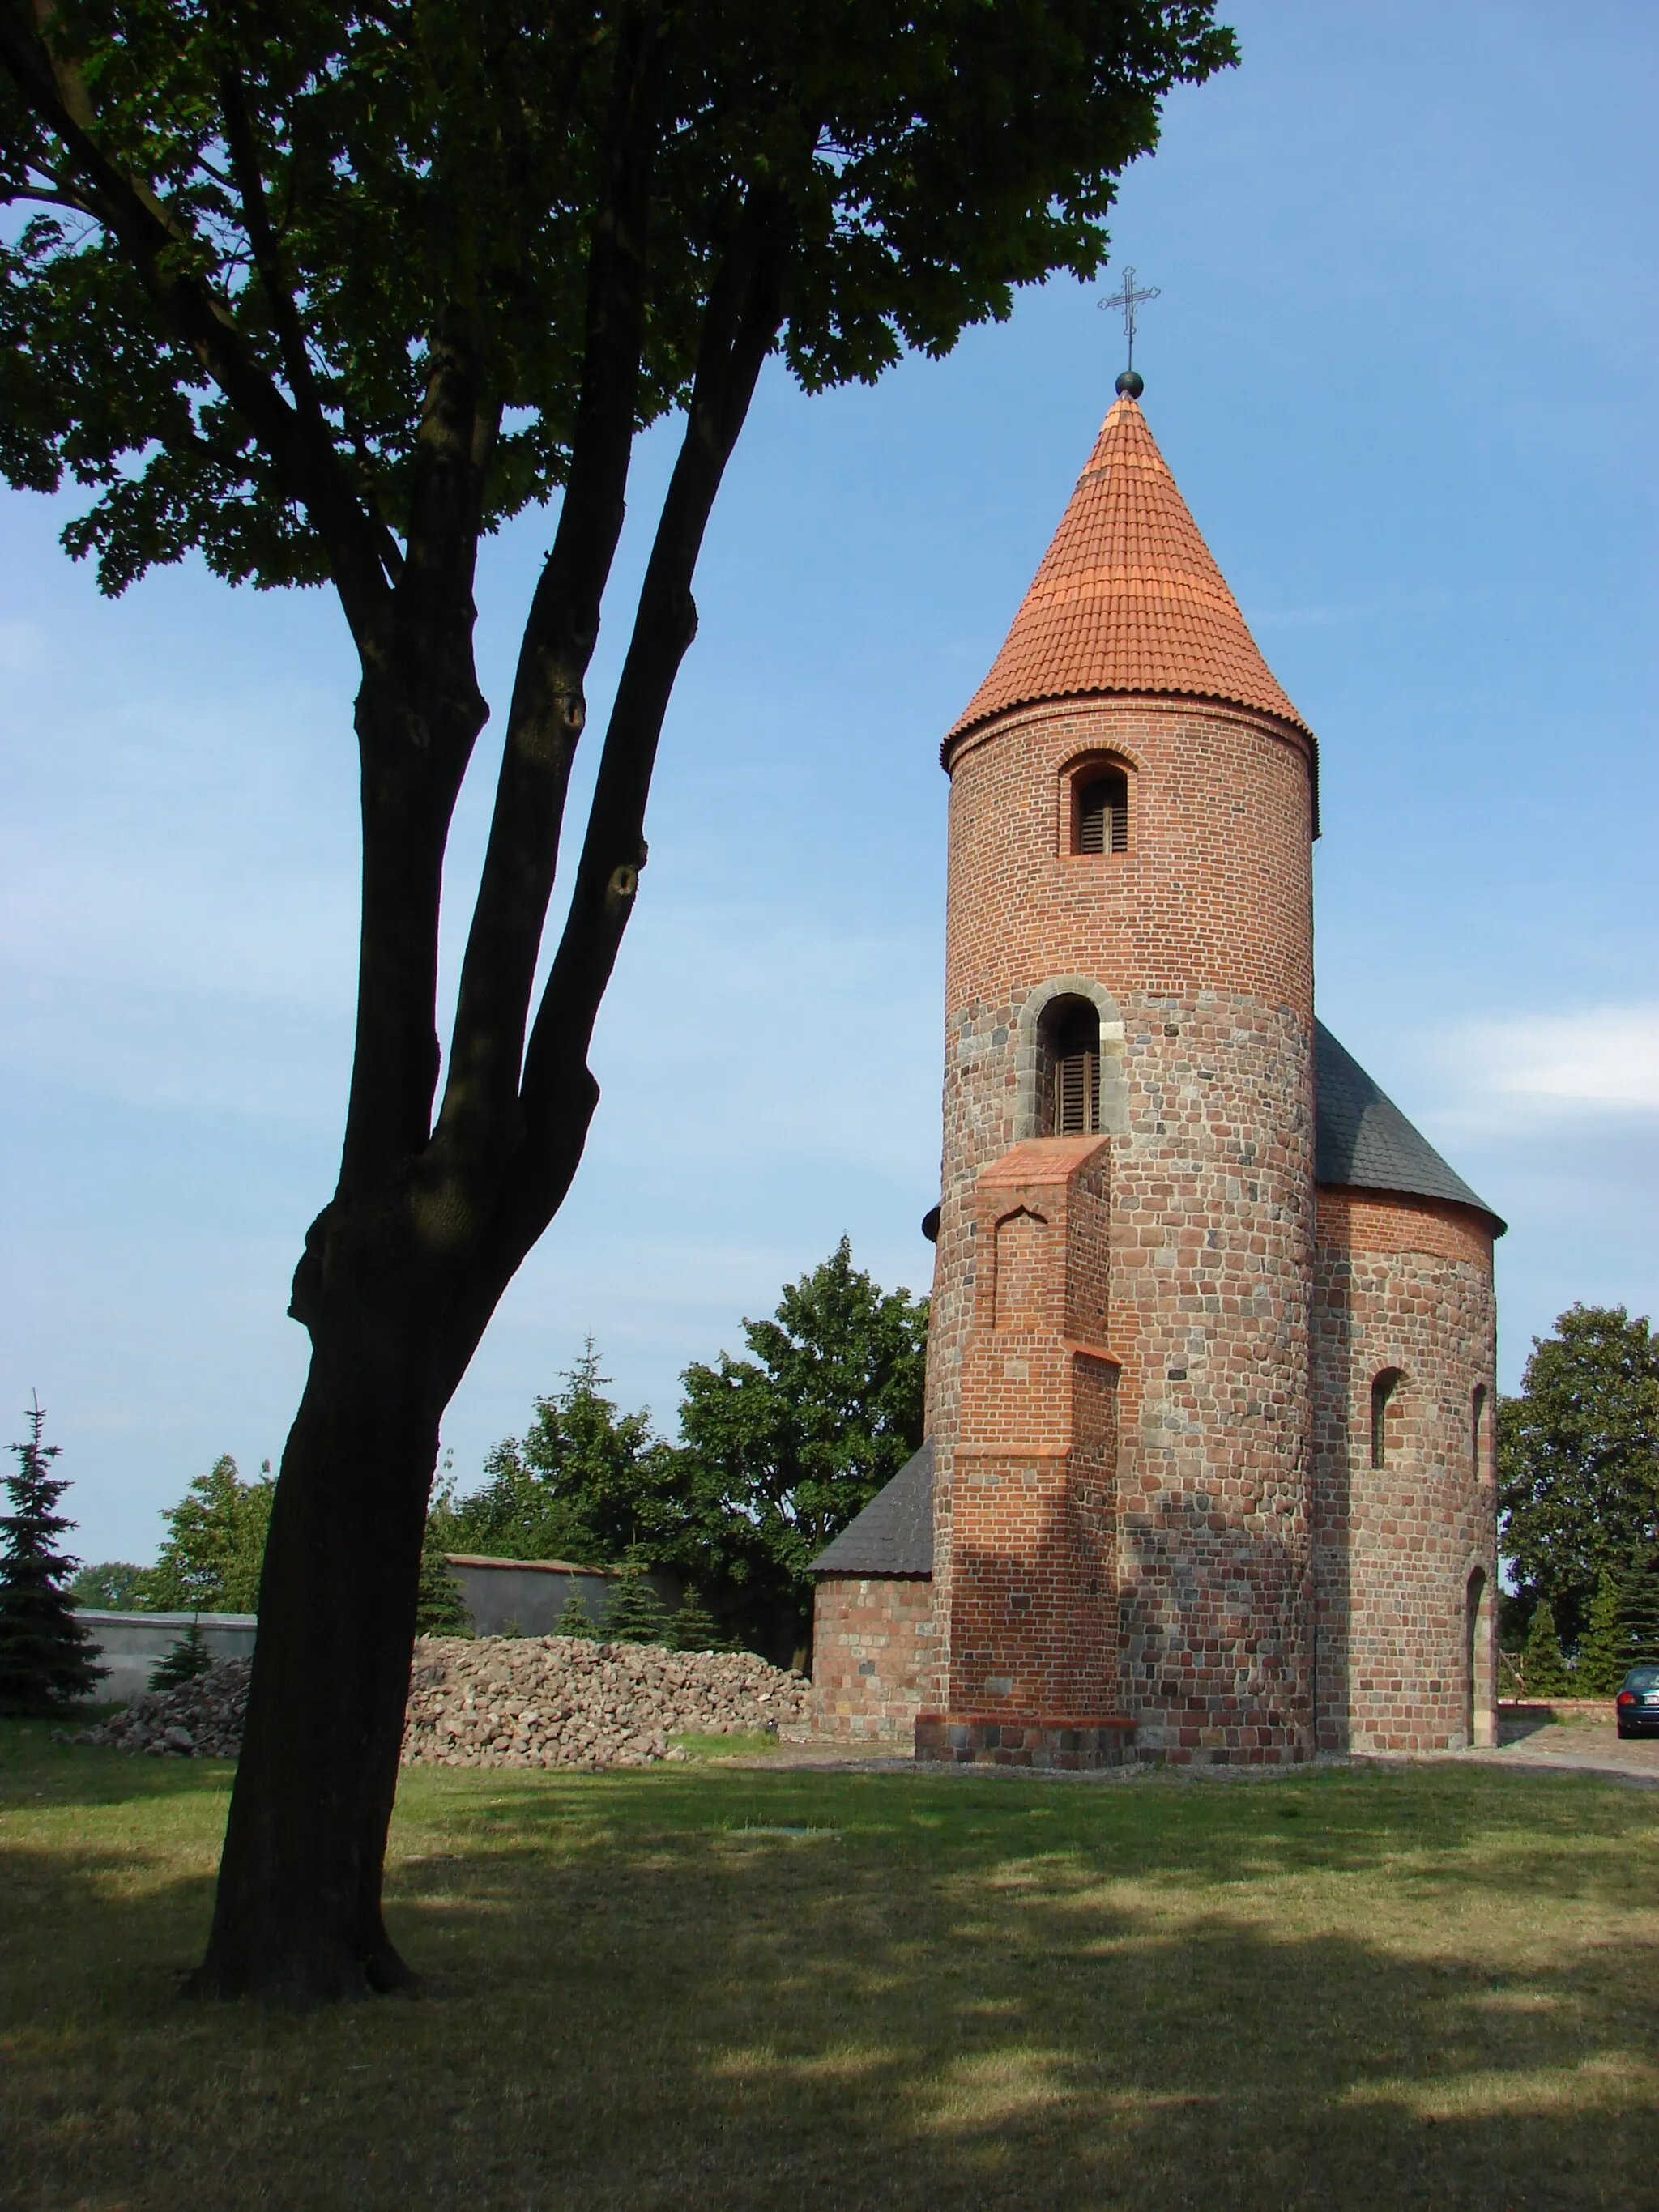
{"points": [[1623, 1631], [45, 1654], [111, 1586], [790, 1444], [324, 293], [633, 1613], [693, 1627], [1578, 1461], [1543, 1670], [587, 1483], [439, 1608], [211, 1559], [189, 1658]]}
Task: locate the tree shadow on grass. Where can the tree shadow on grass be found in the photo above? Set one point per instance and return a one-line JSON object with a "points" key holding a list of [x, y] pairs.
{"points": [[644, 1995]]}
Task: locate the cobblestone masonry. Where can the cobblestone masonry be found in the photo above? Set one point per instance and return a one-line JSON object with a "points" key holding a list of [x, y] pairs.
{"points": [[1404, 1554], [872, 1649], [1200, 939], [1141, 1520]]}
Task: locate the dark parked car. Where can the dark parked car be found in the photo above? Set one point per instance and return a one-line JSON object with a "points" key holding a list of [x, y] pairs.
{"points": [[1638, 1702]]}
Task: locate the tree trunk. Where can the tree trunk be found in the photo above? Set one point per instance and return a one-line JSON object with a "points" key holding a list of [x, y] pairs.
{"points": [[297, 1917]]}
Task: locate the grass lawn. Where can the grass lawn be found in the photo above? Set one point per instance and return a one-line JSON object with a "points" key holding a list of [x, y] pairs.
{"points": [[702, 1986]]}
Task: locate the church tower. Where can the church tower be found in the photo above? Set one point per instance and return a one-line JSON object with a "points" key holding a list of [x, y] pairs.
{"points": [[1119, 1392], [1208, 1473]]}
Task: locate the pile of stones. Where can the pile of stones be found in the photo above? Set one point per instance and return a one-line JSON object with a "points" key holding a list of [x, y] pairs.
{"points": [[199, 1719], [557, 1701], [509, 1701]]}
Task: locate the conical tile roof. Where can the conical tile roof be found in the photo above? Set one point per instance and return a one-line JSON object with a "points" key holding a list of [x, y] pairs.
{"points": [[1128, 598]]}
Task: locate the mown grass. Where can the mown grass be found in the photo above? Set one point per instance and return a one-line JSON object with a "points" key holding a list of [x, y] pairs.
{"points": [[1355, 1988]]}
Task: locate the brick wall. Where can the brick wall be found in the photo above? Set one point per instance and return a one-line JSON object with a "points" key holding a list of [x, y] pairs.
{"points": [[1406, 1660], [872, 1649], [1198, 942]]}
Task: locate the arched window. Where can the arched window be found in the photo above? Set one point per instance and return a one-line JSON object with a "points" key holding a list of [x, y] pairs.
{"points": [[1478, 1430], [1383, 1391], [1068, 1070], [1100, 811]]}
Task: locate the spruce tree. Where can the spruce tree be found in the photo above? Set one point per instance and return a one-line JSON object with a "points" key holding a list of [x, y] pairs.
{"points": [[46, 1653], [694, 1627], [634, 1615], [1603, 1659], [575, 1620], [441, 1610], [1543, 1670], [189, 1658]]}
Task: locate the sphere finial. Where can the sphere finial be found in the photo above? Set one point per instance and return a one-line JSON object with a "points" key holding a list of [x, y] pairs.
{"points": [[1131, 384]]}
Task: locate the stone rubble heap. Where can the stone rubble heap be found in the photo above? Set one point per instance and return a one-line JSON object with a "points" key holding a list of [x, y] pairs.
{"points": [[201, 1719], [509, 1701]]}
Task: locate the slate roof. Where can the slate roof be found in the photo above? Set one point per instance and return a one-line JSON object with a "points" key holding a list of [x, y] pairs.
{"points": [[1362, 1139], [1128, 598], [894, 1534]]}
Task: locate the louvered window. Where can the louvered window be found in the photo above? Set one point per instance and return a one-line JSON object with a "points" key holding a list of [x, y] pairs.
{"points": [[1077, 1094], [1103, 813], [1069, 1069]]}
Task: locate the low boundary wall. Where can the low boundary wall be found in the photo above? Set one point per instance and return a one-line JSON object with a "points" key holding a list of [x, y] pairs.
{"points": [[131, 1644]]}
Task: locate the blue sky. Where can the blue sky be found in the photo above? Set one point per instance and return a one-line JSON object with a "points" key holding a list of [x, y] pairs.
{"points": [[1402, 366]]}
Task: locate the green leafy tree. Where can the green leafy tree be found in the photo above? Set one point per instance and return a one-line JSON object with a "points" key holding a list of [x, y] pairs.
{"points": [[586, 1483], [326, 293], [210, 1559], [789, 1445], [111, 1586], [189, 1658], [1543, 1670], [1578, 1461], [46, 1655]]}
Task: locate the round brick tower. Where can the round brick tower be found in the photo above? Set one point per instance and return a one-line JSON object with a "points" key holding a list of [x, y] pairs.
{"points": [[1119, 1366]]}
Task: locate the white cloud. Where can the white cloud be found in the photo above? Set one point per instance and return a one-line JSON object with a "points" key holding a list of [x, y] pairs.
{"points": [[1605, 1057]]}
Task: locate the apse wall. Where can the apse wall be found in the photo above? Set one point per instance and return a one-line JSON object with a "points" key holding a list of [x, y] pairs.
{"points": [[1405, 1532]]}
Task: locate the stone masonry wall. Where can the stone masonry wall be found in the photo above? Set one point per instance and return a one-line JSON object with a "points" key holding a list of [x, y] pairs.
{"points": [[1405, 1556], [1198, 940], [872, 1649]]}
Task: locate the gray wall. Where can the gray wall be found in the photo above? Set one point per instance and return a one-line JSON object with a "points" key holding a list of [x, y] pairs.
{"points": [[131, 1643], [527, 1597]]}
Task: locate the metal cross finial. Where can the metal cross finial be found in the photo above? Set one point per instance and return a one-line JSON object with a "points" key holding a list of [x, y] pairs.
{"points": [[1127, 298]]}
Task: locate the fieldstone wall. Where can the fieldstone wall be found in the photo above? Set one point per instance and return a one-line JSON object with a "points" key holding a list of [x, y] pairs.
{"points": [[1201, 937], [1406, 1553], [872, 1647]]}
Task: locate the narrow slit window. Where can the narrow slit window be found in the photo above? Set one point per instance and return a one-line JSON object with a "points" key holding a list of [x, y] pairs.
{"points": [[1103, 812], [1477, 1429], [1383, 1390]]}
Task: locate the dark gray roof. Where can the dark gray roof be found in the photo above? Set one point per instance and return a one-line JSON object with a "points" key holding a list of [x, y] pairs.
{"points": [[894, 1534], [1361, 1138]]}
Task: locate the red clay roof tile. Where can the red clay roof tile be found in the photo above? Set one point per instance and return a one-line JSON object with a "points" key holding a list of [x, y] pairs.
{"points": [[1128, 598]]}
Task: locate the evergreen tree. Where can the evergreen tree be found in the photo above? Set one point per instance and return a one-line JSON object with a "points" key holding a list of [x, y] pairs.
{"points": [[575, 1620], [441, 1610], [694, 1627], [634, 1615], [1543, 1670], [45, 1651], [1623, 1633], [189, 1658]]}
